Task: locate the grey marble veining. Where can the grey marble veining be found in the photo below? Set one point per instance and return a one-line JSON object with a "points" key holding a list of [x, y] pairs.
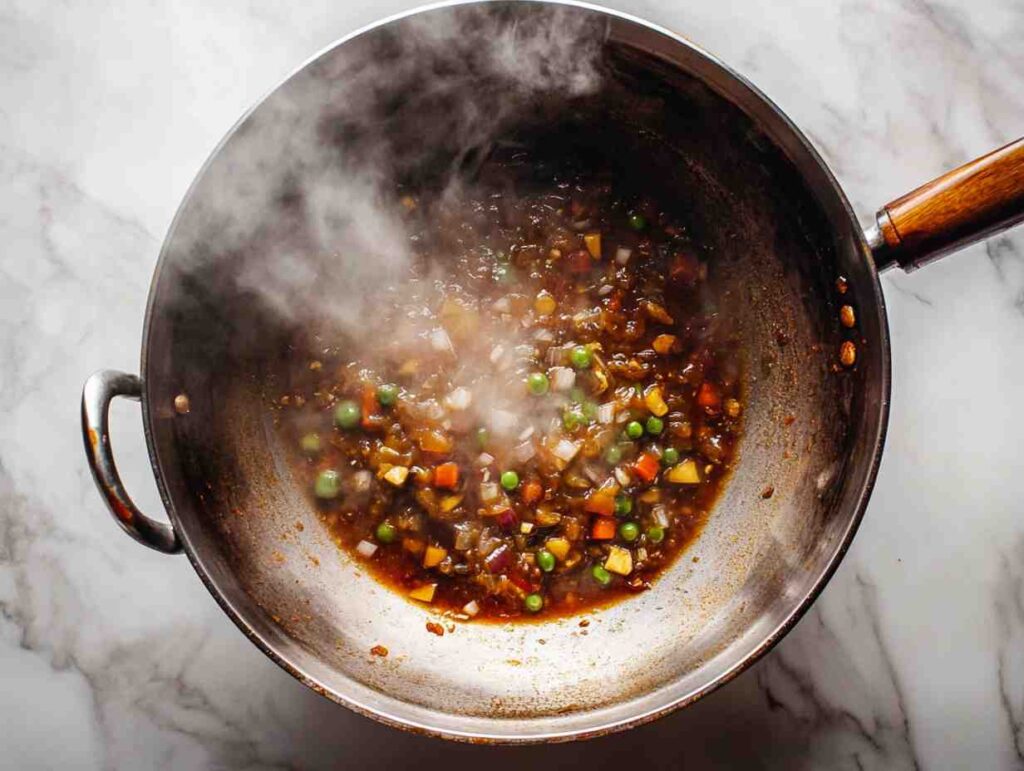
{"points": [[112, 656]]}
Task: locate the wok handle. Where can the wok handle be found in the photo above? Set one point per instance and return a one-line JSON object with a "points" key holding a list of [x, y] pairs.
{"points": [[99, 390], [962, 206]]}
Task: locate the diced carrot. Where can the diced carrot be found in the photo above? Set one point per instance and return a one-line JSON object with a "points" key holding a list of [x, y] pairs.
{"points": [[446, 475], [601, 502], [602, 529], [709, 397], [646, 467], [532, 491], [580, 261], [371, 419]]}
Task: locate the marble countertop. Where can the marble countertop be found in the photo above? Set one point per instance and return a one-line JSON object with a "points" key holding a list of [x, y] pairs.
{"points": [[113, 656]]}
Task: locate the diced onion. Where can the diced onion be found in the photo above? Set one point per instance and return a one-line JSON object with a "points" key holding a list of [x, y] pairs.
{"points": [[660, 515], [366, 549], [361, 480], [459, 399], [565, 450], [471, 608], [562, 378], [622, 255], [503, 422], [485, 459], [622, 476], [440, 341], [606, 289], [502, 305], [606, 413], [496, 353], [526, 434], [544, 335], [521, 453], [489, 492]]}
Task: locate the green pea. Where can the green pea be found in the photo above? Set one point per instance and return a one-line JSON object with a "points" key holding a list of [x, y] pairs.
{"points": [[655, 425], [386, 532], [483, 436], [637, 221], [571, 420], [655, 534], [580, 357], [613, 455], [538, 383], [387, 394], [327, 484], [629, 531], [623, 505], [545, 560], [590, 411], [533, 602], [509, 480], [634, 430], [670, 457], [310, 443], [347, 414], [602, 576]]}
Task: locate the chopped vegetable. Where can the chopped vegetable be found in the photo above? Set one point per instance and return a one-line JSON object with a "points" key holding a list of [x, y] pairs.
{"points": [[366, 548], [646, 467], [580, 261], [581, 357], [637, 221], [593, 244], [433, 555], [471, 608], [386, 532], [629, 531], [533, 602], [655, 534], [623, 505], [601, 575], [327, 485], [509, 480], [565, 450], [634, 429], [709, 397], [310, 443], [654, 425], [545, 560], [347, 414], [663, 344], [424, 593], [562, 378], [559, 547], [622, 255], [532, 492], [459, 399], [446, 475], [397, 475], [387, 394], [619, 561], [732, 408], [601, 501], [613, 455], [670, 456], [602, 529], [655, 401], [684, 473], [545, 304], [538, 383]]}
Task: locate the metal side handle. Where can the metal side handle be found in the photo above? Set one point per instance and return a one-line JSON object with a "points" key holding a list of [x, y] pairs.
{"points": [[99, 390]]}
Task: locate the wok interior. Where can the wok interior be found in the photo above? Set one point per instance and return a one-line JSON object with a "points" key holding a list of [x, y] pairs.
{"points": [[666, 119]]}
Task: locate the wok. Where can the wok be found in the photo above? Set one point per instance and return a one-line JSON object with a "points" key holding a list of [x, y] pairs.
{"points": [[779, 232]]}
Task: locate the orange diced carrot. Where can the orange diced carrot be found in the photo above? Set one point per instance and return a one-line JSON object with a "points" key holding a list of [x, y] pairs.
{"points": [[709, 397], [601, 502], [446, 475], [532, 491], [602, 529], [646, 467]]}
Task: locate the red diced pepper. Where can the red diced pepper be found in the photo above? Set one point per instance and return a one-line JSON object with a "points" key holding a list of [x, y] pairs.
{"points": [[709, 397], [646, 467], [446, 475], [602, 529]]}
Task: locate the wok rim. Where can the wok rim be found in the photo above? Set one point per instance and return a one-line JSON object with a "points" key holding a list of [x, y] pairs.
{"points": [[862, 497]]}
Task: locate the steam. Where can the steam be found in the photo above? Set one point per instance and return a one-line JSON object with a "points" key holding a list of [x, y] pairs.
{"points": [[304, 198]]}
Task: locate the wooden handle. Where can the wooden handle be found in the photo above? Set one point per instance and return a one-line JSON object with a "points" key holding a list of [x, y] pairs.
{"points": [[963, 206]]}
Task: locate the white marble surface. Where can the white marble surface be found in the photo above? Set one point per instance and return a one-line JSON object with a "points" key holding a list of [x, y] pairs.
{"points": [[112, 656]]}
